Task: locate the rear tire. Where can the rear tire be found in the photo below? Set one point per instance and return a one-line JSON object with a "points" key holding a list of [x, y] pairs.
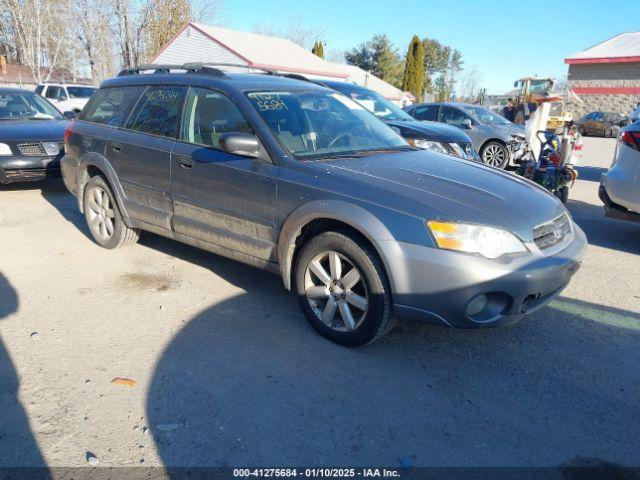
{"points": [[343, 290], [103, 216]]}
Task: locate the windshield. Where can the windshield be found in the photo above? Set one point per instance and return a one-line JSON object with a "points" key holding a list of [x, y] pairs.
{"points": [[26, 105], [80, 92], [323, 124], [379, 106], [485, 116], [539, 86]]}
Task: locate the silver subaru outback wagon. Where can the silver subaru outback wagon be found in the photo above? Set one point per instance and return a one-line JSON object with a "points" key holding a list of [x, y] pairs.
{"points": [[298, 179]]}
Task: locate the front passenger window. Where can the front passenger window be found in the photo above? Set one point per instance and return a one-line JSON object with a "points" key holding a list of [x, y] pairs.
{"points": [[452, 116], [209, 115]]}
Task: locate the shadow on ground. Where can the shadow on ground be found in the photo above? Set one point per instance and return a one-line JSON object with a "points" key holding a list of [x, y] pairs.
{"points": [[18, 447], [603, 231], [248, 382]]}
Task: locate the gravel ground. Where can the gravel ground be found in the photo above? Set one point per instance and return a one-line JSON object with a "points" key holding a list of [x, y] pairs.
{"points": [[228, 372]]}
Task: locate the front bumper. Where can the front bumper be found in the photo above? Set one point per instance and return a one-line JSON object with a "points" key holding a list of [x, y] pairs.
{"points": [[439, 285], [25, 169]]}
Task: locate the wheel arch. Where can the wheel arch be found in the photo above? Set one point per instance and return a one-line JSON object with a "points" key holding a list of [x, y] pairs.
{"points": [[492, 139], [321, 216], [94, 164]]}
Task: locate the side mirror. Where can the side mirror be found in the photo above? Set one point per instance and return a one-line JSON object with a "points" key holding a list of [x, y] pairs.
{"points": [[466, 124], [240, 144], [70, 114]]}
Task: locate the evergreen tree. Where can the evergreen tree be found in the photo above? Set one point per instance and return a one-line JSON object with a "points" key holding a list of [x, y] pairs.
{"points": [[379, 57], [413, 80], [318, 49]]}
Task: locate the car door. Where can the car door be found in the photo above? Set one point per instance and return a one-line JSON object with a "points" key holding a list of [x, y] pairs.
{"points": [[592, 123], [141, 154], [221, 198]]}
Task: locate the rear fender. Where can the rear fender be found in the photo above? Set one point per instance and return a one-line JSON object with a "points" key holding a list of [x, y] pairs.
{"points": [[97, 161]]}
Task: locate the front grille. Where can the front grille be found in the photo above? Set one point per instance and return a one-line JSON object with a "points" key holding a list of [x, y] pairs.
{"points": [[552, 233], [32, 150], [32, 173]]}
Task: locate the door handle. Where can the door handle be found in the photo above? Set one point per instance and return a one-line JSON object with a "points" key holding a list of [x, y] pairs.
{"points": [[185, 163], [117, 146]]}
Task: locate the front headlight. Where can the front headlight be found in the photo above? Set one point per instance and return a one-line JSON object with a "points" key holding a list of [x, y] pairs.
{"points": [[489, 242], [458, 150], [430, 145], [5, 149]]}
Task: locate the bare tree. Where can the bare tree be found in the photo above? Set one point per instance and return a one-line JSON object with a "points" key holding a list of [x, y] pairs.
{"points": [[37, 30], [93, 31], [469, 85]]}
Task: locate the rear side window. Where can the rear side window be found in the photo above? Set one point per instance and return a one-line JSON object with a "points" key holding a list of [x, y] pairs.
{"points": [[426, 112], [208, 115], [158, 111], [39, 89], [111, 106]]}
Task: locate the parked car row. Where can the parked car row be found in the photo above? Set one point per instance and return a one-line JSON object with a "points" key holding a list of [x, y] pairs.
{"points": [[364, 222], [499, 142], [304, 181]]}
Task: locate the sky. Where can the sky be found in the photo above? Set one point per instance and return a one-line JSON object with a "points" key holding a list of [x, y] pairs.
{"points": [[503, 40]]}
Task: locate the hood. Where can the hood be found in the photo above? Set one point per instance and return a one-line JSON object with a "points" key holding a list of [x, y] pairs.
{"points": [[432, 186], [510, 129], [439, 132], [32, 130]]}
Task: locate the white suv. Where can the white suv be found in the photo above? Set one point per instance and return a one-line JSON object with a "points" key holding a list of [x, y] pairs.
{"points": [[66, 97]]}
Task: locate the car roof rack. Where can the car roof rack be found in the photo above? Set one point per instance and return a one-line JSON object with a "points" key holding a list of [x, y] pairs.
{"points": [[162, 68], [209, 69]]}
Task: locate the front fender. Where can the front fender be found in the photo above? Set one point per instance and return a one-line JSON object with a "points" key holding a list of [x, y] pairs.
{"points": [[370, 226]]}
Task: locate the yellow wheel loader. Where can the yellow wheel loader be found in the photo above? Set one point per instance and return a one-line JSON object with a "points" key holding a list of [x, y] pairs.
{"points": [[530, 91]]}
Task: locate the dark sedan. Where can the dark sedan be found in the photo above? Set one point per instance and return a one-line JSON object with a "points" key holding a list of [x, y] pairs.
{"points": [[426, 135], [31, 137], [605, 124]]}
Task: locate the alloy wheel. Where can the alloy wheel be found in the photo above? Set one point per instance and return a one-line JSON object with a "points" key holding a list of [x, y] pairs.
{"points": [[493, 155], [101, 214], [336, 291]]}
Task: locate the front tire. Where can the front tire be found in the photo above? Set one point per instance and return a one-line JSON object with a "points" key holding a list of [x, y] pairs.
{"points": [[494, 154], [103, 216], [343, 290]]}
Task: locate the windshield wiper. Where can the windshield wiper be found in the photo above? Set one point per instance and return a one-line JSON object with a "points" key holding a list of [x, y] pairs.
{"points": [[363, 153]]}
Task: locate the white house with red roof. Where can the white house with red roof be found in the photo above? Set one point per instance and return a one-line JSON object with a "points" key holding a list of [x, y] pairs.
{"points": [[606, 77], [197, 42]]}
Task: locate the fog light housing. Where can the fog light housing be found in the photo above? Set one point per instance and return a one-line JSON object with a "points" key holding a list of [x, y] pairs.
{"points": [[477, 305], [52, 148]]}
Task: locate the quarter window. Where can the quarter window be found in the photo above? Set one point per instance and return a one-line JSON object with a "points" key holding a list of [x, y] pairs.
{"points": [[158, 111], [209, 115], [111, 106]]}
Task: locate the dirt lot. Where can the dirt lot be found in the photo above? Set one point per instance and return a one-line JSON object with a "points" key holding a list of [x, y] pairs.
{"points": [[229, 373]]}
